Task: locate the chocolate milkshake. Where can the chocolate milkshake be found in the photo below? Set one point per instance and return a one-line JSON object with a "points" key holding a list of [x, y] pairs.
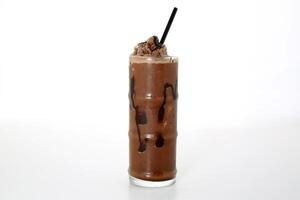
{"points": [[153, 115]]}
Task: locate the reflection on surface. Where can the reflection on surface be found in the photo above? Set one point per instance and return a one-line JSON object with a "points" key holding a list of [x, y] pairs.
{"points": [[138, 193]]}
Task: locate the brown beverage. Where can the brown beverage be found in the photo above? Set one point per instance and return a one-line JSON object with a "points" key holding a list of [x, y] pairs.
{"points": [[153, 114]]}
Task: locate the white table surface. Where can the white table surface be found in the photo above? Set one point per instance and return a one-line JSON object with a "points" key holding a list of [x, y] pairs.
{"points": [[50, 161]]}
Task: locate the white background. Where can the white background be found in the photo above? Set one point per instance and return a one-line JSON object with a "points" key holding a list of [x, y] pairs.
{"points": [[64, 104]]}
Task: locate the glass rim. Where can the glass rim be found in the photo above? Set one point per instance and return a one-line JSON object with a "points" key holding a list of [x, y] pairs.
{"points": [[167, 58]]}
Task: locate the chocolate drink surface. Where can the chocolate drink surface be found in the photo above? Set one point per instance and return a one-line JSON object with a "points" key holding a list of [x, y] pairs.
{"points": [[153, 116]]}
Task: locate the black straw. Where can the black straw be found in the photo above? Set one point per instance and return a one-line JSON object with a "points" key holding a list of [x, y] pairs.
{"points": [[163, 38]]}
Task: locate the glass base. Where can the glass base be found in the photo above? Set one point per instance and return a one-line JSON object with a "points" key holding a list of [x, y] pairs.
{"points": [[152, 184]]}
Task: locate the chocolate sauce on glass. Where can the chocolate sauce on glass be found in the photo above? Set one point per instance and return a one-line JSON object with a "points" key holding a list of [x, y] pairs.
{"points": [[140, 116]]}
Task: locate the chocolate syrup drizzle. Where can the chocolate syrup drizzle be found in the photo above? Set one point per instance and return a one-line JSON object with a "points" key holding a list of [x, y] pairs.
{"points": [[141, 117], [161, 112], [160, 141]]}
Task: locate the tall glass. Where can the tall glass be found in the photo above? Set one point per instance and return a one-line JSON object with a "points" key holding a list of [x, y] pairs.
{"points": [[153, 120]]}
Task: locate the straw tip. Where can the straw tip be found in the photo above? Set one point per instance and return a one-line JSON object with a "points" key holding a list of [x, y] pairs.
{"points": [[163, 38]]}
